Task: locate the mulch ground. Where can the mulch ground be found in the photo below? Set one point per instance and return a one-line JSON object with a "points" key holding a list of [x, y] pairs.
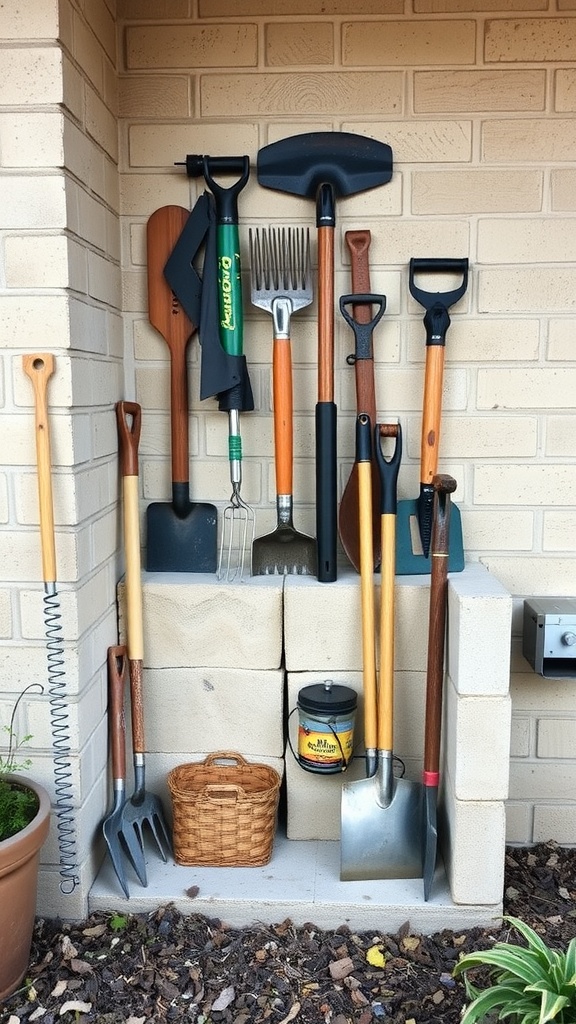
{"points": [[163, 966]]}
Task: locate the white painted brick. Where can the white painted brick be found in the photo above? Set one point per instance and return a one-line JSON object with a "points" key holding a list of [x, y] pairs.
{"points": [[390, 43], [25, 663], [101, 124], [158, 145], [33, 201], [84, 159], [530, 39], [477, 743], [6, 625], [4, 505], [33, 140], [562, 189], [520, 737], [31, 76], [42, 261], [515, 530], [459, 91], [479, 339], [527, 140], [565, 89], [479, 607], [538, 388], [514, 290], [188, 710], [260, 95], [556, 737], [518, 823], [101, 19], [472, 826], [533, 574], [16, 23], [192, 619], [476, 191], [555, 821], [559, 531], [558, 441], [560, 340], [533, 780], [20, 556], [103, 280], [522, 484], [86, 52], [510, 241]]}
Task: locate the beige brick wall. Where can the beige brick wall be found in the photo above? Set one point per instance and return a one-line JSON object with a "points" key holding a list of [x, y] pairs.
{"points": [[476, 98]]}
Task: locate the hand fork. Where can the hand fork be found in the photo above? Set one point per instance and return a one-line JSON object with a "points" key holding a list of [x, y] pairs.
{"points": [[281, 280]]}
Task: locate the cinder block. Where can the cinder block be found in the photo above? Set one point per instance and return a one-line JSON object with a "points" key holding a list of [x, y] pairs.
{"points": [[474, 833], [525, 388], [555, 821], [189, 710], [477, 744], [479, 617], [31, 76], [194, 619], [519, 823], [556, 737]]}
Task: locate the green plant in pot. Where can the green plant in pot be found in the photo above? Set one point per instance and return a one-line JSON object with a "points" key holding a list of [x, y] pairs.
{"points": [[24, 824], [531, 984]]}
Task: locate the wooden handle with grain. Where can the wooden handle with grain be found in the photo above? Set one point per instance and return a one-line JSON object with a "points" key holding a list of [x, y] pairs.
{"points": [[431, 413], [128, 440], [117, 673], [39, 368]]}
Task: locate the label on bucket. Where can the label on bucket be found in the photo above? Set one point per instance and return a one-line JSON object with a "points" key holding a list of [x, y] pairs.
{"points": [[323, 746]]}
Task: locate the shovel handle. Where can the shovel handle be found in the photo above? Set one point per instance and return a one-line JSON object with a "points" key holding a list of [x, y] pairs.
{"points": [[363, 458], [431, 412], [283, 413], [128, 437], [326, 314], [39, 368], [117, 666], [444, 485], [358, 243]]}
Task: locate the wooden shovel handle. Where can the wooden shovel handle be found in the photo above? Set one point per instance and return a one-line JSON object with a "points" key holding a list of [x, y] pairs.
{"points": [[129, 457], [325, 314], [386, 678], [283, 413], [443, 486], [363, 438], [358, 243], [432, 412], [168, 317], [39, 368], [117, 671]]}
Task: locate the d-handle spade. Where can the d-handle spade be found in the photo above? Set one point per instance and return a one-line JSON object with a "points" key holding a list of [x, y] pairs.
{"points": [[117, 830], [444, 486]]}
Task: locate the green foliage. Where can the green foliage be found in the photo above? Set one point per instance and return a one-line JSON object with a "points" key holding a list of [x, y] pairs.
{"points": [[531, 984], [18, 806], [118, 922]]}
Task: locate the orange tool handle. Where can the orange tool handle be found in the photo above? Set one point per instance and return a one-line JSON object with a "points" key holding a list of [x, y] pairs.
{"points": [[283, 414]]}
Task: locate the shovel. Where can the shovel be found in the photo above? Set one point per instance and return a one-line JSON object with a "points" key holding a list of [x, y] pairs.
{"points": [[415, 517], [363, 324], [380, 815], [444, 486], [281, 279], [358, 243], [181, 535], [118, 831], [142, 808], [324, 166]]}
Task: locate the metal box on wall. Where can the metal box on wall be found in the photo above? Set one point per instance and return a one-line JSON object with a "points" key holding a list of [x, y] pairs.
{"points": [[549, 636]]}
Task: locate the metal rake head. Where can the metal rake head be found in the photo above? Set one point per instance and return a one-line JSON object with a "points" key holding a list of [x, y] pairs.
{"points": [[280, 266], [238, 528]]}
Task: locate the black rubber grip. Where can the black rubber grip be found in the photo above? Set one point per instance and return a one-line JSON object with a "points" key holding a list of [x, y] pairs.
{"points": [[326, 492]]}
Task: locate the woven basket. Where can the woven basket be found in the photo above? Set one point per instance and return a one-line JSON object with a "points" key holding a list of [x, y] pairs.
{"points": [[224, 811]]}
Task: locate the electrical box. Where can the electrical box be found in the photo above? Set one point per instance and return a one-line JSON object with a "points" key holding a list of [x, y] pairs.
{"points": [[549, 636]]}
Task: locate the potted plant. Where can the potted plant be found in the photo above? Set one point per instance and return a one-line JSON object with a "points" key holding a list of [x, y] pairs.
{"points": [[24, 823], [531, 984]]}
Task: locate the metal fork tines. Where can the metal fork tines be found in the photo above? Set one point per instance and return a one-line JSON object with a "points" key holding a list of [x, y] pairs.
{"points": [[281, 271]]}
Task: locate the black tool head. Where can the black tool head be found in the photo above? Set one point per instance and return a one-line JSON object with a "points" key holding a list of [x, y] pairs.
{"points": [[183, 539], [300, 164]]}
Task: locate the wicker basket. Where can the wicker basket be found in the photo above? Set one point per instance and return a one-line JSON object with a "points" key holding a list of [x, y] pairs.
{"points": [[224, 811]]}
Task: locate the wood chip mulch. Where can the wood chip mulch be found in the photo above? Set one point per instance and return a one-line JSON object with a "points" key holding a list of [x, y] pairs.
{"points": [[164, 966]]}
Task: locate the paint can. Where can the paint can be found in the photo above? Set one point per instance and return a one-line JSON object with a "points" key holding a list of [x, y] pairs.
{"points": [[326, 716]]}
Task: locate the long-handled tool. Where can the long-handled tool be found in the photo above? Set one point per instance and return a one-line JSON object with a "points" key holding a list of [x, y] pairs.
{"points": [[380, 815], [118, 832], [281, 280], [238, 519], [324, 166], [39, 368], [363, 325], [413, 558], [143, 808], [444, 486], [181, 535]]}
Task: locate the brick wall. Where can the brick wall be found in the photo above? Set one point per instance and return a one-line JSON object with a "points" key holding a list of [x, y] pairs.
{"points": [[477, 101]]}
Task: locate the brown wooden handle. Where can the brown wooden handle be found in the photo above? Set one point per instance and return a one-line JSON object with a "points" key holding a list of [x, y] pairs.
{"points": [[168, 317], [39, 368], [129, 422], [432, 412], [283, 429], [117, 671], [135, 668], [325, 314], [358, 243], [443, 486]]}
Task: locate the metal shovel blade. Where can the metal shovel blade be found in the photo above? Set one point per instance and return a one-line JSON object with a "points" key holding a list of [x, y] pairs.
{"points": [[410, 559], [120, 836], [147, 812], [380, 833], [430, 830], [302, 163]]}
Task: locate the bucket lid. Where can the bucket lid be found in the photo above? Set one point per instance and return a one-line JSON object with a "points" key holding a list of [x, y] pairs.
{"points": [[327, 698]]}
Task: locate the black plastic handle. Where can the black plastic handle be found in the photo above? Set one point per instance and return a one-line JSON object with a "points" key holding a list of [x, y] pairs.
{"points": [[388, 468], [194, 164], [438, 266], [362, 332], [326, 492], [363, 438]]}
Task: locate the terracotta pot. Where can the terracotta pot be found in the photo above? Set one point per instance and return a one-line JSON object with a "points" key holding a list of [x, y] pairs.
{"points": [[19, 861]]}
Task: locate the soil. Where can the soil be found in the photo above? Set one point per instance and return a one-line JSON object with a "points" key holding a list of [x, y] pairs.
{"points": [[164, 966]]}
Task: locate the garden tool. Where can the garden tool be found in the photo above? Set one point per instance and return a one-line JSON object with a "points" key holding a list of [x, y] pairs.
{"points": [[181, 535], [118, 832], [415, 516], [358, 243], [143, 808], [380, 815], [238, 520], [325, 166], [39, 368], [444, 486], [281, 280], [363, 330]]}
